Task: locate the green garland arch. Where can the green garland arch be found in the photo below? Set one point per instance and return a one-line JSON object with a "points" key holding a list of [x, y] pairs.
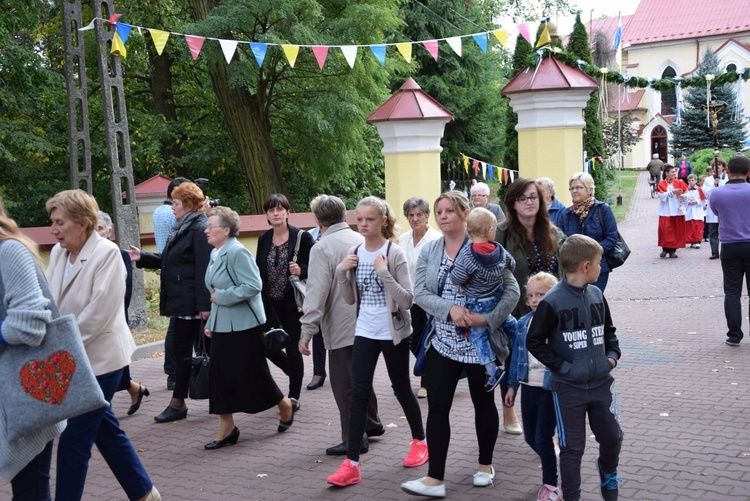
{"points": [[659, 84]]}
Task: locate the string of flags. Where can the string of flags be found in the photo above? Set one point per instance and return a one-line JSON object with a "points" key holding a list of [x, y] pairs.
{"points": [[488, 170], [291, 51]]}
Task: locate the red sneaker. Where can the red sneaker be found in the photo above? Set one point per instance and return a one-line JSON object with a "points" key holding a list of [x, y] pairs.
{"points": [[417, 454], [346, 475]]}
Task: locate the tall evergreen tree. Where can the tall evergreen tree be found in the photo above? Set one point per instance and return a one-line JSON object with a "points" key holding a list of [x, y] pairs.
{"points": [[695, 132], [593, 140]]}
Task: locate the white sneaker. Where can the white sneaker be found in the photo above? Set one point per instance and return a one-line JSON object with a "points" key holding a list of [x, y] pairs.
{"points": [[482, 479], [418, 488]]}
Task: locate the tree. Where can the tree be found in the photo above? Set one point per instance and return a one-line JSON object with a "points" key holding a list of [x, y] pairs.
{"points": [[469, 86], [625, 132], [694, 131], [593, 141], [519, 62]]}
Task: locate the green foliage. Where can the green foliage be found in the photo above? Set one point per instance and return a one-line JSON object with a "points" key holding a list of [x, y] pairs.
{"points": [[468, 86], [510, 152], [694, 132], [703, 158], [578, 44], [624, 132]]}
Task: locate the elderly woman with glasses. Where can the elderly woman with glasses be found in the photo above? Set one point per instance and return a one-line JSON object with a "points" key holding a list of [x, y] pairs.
{"points": [[590, 217], [417, 212], [480, 197], [554, 206], [534, 242]]}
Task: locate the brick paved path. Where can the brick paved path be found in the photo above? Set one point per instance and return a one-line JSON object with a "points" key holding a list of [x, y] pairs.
{"points": [[683, 396]]}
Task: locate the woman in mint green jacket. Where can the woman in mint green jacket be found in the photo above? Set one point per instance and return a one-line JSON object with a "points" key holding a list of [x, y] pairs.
{"points": [[239, 379]]}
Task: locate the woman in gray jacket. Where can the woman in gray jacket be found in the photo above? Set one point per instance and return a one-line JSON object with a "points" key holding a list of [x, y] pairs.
{"points": [[375, 276], [239, 379], [24, 314]]}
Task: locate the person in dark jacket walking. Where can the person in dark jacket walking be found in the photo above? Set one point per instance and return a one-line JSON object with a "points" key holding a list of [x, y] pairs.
{"points": [[572, 334], [183, 297]]}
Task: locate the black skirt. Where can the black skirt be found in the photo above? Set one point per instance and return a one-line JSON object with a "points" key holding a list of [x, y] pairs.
{"points": [[239, 379]]}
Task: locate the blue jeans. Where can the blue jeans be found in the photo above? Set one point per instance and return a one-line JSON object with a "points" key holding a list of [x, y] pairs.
{"points": [[735, 265], [480, 336], [32, 483], [538, 416], [99, 427]]}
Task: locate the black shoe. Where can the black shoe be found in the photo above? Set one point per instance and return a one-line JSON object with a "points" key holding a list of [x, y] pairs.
{"points": [[142, 392], [608, 485], [673, 255], [714, 256], [341, 449], [295, 404], [316, 382], [230, 439], [171, 414], [663, 254], [377, 432], [170, 384], [284, 425]]}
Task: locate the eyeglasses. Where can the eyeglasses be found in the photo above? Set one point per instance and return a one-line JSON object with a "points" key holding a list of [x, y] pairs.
{"points": [[478, 195], [576, 188], [522, 200], [211, 226]]}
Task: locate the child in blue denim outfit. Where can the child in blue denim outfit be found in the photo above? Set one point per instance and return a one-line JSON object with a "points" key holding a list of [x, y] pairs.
{"points": [[537, 405], [478, 271]]}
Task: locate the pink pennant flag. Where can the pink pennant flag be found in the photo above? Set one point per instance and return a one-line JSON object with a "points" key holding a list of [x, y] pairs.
{"points": [[523, 29], [432, 48], [505, 176], [475, 167], [195, 44], [321, 53]]}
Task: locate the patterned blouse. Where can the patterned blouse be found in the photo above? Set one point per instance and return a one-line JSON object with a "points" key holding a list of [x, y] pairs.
{"points": [[534, 269], [446, 340], [277, 270]]}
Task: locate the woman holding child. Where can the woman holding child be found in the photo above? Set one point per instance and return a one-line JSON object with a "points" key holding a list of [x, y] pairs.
{"points": [[449, 354]]}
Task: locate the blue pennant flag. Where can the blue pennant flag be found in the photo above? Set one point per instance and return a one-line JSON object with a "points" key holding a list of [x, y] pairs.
{"points": [[379, 51], [481, 40], [124, 31], [490, 168], [259, 51]]}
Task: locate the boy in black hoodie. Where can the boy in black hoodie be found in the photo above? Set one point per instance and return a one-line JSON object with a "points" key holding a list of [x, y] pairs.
{"points": [[572, 334]]}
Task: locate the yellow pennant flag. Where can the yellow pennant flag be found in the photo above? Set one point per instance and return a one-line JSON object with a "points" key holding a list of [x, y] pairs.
{"points": [[118, 48], [466, 164], [291, 52], [160, 39], [405, 50], [502, 37], [544, 38]]}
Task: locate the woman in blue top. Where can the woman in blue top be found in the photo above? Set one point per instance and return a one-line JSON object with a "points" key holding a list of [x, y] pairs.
{"points": [[587, 216]]}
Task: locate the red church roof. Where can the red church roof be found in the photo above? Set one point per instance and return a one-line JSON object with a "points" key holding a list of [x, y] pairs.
{"points": [[153, 187], [660, 20], [410, 102]]}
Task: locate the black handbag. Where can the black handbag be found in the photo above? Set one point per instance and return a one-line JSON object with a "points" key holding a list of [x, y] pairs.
{"points": [[199, 365], [617, 256]]}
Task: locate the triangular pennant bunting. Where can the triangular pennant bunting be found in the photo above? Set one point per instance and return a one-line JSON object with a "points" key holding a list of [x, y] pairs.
{"points": [[228, 47], [456, 44], [512, 176], [321, 53], [490, 169], [505, 176], [160, 39], [544, 38], [259, 51], [466, 164], [502, 36], [475, 167], [124, 31], [432, 48], [484, 169], [405, 50], [118, 48], [291, 52], [195, 44], [350, 53], [481, 40], [523, 29], [379, 51]]}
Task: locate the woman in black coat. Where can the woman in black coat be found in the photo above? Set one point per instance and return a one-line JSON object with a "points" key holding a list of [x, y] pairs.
{"points": [[183, 296], [275, 259]]}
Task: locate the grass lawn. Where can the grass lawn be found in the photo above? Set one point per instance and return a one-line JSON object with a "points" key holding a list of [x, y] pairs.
{"points": [[629, 180]]}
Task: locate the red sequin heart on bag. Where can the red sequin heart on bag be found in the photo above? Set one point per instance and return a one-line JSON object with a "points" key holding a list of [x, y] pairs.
{"points": [[48, 380]]}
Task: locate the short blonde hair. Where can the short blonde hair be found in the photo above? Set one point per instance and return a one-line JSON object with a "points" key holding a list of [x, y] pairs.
{"points": [[9, 229], [543, 278], [190, 195], [78, 205], [458, 201], [585, 178], [480, 222], [576, 250]]}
